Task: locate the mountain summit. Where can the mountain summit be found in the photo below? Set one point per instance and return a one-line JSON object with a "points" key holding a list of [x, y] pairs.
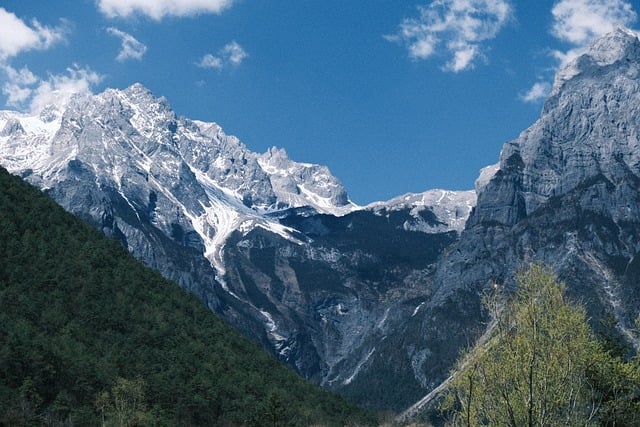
{"points": [[613, 49], [566, 193], [186, 177]]}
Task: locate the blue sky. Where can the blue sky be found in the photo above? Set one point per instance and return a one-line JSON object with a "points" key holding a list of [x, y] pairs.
{"points": [[394, 96]]}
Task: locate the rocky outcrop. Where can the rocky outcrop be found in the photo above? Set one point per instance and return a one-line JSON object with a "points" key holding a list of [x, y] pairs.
{"points": [[566, 193], [342, 306]]}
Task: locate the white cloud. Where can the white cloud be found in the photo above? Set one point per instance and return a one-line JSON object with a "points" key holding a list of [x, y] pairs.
{"points": [[131, 47], [564, 57], [16, 36], [17, 88], [539, 91], [25, 90], [577, 23], [580, 21], [234, 53], [58, 89], [158, 9], [210, 61], [458, 27], [463, 58], [231, 54]]}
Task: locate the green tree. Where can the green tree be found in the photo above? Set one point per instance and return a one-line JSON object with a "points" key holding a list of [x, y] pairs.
{"points": [[533, 370], [125, 405], [276, 409], [616, 386], [81, 321]]}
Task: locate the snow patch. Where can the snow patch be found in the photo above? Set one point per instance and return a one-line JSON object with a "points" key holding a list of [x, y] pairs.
{"points": [[384, 319], [418, 308], [359, 367], [451, 208]]}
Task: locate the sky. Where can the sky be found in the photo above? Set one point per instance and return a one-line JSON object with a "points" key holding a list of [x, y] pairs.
{"points": [[394, 96]]}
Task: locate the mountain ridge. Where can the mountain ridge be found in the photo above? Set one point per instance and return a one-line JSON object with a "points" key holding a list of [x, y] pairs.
{"points": [[238, 185], [566, 190]]}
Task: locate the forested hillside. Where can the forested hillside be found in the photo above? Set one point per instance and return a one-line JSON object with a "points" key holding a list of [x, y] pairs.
{"points": [[89, 336]]}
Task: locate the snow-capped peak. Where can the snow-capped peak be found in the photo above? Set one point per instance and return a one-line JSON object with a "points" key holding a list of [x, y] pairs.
{"points": [[303, 184], [612, 47], [451, 209], [486, 174], [182, 174]]}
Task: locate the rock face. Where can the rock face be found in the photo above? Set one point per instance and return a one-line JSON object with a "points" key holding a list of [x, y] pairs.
{"points": [[377, 301], [343, 306], [566, 193]]}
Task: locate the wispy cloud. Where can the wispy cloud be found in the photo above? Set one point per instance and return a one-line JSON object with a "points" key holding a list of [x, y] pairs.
{"points": [[16, 36], [580, 21], [25, 90], [458, 28], [17, 88], [210, 61], [131, 47], [158, 9], [539, 91], [577, 23], [59, 88], [232, 54], [21, 87]]}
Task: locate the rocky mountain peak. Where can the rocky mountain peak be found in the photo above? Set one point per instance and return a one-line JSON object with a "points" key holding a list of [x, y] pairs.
{"points": [[434, 211], [294, 183], [620, 47], [187, 176], [622, 43], [137, 91], [588, 129], [566, 191]]}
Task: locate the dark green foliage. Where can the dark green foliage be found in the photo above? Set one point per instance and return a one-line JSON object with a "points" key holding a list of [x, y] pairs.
{"points": [[84, 328]]}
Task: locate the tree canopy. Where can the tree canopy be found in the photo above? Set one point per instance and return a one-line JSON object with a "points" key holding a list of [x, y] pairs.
{"points": [[542, 365]]}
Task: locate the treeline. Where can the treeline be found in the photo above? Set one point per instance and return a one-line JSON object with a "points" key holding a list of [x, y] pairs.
{"points": [[88, 336], [543, 365]]}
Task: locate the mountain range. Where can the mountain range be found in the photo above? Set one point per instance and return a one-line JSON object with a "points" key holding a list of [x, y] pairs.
{"points": [[373, 301]]}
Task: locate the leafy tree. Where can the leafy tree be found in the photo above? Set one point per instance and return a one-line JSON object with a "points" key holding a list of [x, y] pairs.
{"points": [[125, 405], [533, 371], [276, 409]]}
